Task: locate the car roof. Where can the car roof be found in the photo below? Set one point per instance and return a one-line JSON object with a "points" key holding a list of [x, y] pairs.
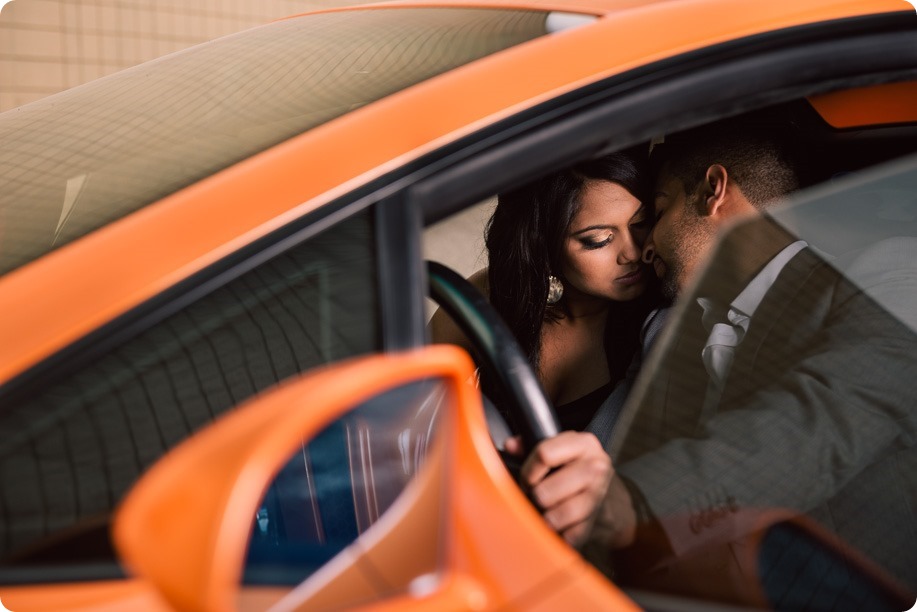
{"points": [[66, 294]]}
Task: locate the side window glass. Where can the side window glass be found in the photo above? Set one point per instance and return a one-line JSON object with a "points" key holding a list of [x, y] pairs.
{"points": [[868, 230], [458, 241], [76, 445], [792, 445], [343, 481]]}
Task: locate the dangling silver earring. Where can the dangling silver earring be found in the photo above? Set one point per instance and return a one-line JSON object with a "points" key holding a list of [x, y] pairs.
{"points": [[555, 290]]}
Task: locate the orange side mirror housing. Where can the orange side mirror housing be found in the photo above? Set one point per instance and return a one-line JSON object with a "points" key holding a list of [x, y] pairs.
{"points": [[460, 535]]}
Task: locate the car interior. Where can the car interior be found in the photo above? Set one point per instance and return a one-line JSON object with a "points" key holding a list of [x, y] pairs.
{"points": [[840, 137]]}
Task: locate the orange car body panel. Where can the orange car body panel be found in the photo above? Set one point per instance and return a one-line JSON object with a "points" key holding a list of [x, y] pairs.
{"points": [[876, 105], [108, 272], [102, 596], [114, 596]]}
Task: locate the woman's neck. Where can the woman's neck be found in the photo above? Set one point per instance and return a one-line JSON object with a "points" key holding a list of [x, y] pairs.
{"points": [[586, 307]]}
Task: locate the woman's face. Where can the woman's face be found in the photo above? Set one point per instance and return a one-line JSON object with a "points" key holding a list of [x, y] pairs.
{"points": [[601, 257]]}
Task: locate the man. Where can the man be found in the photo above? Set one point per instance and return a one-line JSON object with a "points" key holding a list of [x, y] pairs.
{"points": [[745, 415]]}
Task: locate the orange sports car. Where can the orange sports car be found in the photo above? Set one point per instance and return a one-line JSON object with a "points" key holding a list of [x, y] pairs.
{"points": [[217, 387]]}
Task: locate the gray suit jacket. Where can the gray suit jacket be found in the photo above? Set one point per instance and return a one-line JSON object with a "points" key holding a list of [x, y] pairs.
{"points": [[818, 416]]}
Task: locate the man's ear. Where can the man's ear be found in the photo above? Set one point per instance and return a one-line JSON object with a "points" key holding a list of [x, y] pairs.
{"points": [[716, 180]]}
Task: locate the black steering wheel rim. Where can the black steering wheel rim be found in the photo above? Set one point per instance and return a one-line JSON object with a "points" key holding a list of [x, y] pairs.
{"points": [[498, 351]]}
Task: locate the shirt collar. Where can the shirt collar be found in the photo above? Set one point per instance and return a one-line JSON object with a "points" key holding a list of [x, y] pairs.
{"points": [[747, 302]]}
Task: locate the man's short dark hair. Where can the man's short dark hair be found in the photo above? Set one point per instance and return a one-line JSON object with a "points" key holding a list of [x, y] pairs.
{"points": [[755, 152]]}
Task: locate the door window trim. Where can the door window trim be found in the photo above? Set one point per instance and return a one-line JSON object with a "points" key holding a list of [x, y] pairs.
{"points": [[401, 275]]}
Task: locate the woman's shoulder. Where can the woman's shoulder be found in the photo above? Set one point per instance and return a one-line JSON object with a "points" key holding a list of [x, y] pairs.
{"points": [[480, 281]]}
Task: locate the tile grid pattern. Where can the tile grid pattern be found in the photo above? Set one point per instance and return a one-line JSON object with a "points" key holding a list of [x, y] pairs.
{"points": [[47, 46]]}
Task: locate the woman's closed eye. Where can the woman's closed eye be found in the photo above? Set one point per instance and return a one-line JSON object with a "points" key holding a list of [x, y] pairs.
{"points": [[596, 241]]}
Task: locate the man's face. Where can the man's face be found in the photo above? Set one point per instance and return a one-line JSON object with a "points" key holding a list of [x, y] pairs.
{"points": [[681, 237]]}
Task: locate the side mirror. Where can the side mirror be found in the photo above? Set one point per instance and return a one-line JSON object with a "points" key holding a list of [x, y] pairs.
{"points": [[456, 532], [187, 524]]}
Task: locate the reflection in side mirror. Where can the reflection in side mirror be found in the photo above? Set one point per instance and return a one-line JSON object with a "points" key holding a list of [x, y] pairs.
{"points": [[337, 484]]}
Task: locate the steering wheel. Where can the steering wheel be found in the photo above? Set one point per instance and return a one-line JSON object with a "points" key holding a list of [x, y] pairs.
{"points": [[498, 351]]}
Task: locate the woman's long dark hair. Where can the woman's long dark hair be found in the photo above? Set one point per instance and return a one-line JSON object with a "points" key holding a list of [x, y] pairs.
{"points": [[525, 239]]}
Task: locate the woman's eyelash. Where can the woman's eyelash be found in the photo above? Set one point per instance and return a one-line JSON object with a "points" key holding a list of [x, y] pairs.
{"points": [[591, 244]]}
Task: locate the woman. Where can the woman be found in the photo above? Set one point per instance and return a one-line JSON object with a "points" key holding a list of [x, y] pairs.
{"points": [[565, 274]]}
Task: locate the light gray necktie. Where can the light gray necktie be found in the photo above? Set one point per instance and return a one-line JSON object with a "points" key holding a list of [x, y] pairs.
{"points": [[724, 336]]}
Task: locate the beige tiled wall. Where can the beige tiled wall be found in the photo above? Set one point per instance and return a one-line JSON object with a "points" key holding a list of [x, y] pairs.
{"points": [[50, 45]]}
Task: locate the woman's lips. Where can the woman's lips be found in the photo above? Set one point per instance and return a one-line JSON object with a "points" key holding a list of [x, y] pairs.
{"points": [[631, 279]]}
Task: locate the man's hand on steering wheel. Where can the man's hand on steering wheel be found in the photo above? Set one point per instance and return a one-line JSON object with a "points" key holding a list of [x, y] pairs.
{"points": [[567, 476], [567, 473]]}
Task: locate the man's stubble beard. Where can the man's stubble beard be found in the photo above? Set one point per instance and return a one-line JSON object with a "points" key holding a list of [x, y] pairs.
{"points": [[669, 285], [691, 241]]}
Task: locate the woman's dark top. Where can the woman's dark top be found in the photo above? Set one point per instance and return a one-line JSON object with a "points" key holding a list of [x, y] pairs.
{"points": [[577, 414], [622, 339]]}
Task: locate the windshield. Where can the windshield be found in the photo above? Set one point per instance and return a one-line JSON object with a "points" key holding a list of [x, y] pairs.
{"points": [[74, 162]]}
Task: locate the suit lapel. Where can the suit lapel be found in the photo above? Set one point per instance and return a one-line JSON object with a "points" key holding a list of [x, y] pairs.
{"points": [[792, 309]]}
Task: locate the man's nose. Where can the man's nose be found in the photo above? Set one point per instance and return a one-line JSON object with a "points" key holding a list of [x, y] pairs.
{"points": [[630, 252]]}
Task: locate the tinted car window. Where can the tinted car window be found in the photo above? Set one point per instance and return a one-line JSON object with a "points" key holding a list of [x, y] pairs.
{"points": [[74, 446], [793, 480], [76, 161]]}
